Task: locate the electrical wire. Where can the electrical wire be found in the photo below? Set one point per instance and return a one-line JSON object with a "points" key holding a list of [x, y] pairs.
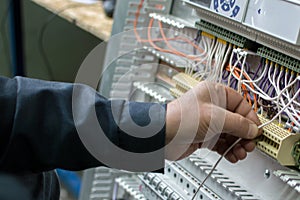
{"points": [[251, 88], [278, 101], [229, 48], [236, 142], [175, 51], [166, 40], [137, 15], [214, 167], [238, 73]]}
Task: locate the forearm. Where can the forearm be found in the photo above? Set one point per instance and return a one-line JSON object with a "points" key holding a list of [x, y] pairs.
{"points": [[38, 131]]}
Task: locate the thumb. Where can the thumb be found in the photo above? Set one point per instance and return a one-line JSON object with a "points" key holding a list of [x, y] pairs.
{"points": [[239, 126]]}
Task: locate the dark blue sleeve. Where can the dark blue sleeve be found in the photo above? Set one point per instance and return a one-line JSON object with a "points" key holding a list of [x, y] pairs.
{"points": [[45, 125]]}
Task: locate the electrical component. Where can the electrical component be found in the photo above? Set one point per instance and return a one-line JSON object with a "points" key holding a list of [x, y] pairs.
{"points": [[184, 82], [222, 33], [279, 58], [175, 32], [261, 66], [270, 34], [277, 142], [176, 92], [100, 183]]}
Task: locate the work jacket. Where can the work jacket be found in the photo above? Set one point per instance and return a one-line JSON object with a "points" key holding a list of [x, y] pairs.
{"points": [[39, 132]]}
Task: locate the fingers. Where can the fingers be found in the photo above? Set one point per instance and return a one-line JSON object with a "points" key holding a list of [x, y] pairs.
{"points": [[237, 104], [248, 145], [234, 100], [239, 152], [231, 157], [240, 120], [239, 126]]}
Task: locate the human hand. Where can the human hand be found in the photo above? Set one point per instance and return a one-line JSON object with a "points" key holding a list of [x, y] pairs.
{"points": [[210, 115]]}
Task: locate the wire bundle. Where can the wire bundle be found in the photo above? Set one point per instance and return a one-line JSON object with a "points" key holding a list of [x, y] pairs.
{"points": [[271, 86], [270, 89]]}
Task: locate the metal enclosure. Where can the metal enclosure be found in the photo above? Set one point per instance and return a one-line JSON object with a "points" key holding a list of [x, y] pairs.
{"points": [[257, 177]]}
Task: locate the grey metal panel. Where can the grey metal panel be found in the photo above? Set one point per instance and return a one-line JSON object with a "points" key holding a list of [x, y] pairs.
{"points": [[182, 11], [248, 174], [87, 181], [245, 180], [278, 18], [119, 15], [121, 60], [246, 31]]}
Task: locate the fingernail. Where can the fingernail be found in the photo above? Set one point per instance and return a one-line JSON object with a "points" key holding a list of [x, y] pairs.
{"points": [[253, 131]]}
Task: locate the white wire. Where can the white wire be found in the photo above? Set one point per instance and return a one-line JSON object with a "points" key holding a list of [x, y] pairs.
{"points": [[293, 114], [259, 78], [277, 89], [224, 61], [237, 141], [288, 95], [261, 92], [214, 167], [265, 96], [283, 109], [200, 74], [221, 59], [189, 69], [241, 74], [218, 57], [207, 47], [235, 64]]}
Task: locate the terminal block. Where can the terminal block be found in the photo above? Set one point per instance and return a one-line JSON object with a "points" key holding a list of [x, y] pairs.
{"points": [[279, 58], [184, 82], [278, 143], [222, 33], [175, 92]]}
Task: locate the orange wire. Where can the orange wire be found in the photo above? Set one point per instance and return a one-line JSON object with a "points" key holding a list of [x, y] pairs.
{"points": [[191, 43], [137, 15], [176, 52], [290, 129], [228, 68], [167, 43], [151, 41], [181, 38]]}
